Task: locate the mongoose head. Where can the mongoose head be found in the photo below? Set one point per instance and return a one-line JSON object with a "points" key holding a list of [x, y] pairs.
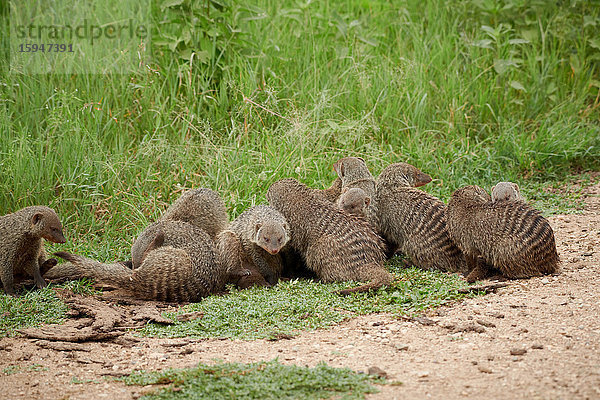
{"points": [[403, 174], [354, 201], [471, 193], [157, 241], [506, 191], [45, 223], [271, 236], [350, 169]]}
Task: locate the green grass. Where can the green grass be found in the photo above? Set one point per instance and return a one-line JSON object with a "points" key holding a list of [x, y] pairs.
{"points": [[36, 307], [30, 309], [471, 92], [285, 309], [297, 305], [265, 380]]}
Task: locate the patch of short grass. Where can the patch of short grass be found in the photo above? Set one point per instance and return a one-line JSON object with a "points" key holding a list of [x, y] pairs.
{"points": [[288, 308], [30, 309], [35, 307], [298, 305], [264, 380]]}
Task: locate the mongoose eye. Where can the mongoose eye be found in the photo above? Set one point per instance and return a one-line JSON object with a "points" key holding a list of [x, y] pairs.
{"points": [[267, 240]]}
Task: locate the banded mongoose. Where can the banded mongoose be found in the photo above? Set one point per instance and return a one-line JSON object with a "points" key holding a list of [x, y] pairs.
{"points": [[354, 201], [506, 191], [180, 265], [201, 207], [240, 268], [262, 232], [509, 236], [413, 221], [333, 244], [21, 246]]}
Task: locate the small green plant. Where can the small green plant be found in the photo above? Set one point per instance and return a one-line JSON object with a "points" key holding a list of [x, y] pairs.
{"points": [[76, 381], [265, 380], [37, 368], [11, 370]]}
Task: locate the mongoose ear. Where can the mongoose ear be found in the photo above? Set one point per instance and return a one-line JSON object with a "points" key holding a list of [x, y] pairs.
{"points": [[367, 201], [493, 187], [340, 169], [425, 178], [37, 217], [257, 227], [516, 187], [344, 190], [362, 159]]}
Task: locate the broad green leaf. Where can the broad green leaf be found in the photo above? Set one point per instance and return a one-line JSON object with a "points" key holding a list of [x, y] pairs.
{"points": [[517, 85], [485, 43]]}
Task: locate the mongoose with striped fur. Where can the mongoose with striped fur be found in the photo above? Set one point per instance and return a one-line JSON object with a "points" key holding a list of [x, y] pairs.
{"points": [[21, 245], [332, 244], [201, 207], [509, 236], [179, 265], [413, 221], [354, 201], [506, 191], [262, 232]]}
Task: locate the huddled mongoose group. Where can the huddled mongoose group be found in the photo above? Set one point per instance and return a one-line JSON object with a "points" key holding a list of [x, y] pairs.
{"points": [[335, 234]]}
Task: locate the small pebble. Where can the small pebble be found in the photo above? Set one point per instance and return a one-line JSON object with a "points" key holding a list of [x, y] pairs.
{"points": [[537, 346], [485, 370], [517, 351], [377, 372], [486, 323]]}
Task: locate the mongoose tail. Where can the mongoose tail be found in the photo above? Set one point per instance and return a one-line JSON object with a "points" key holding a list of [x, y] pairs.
{"points": [[78, 267], [378, 279]]}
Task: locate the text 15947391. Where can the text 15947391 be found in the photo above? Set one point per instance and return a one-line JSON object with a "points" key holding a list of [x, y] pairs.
{"points": [[45, 48]]}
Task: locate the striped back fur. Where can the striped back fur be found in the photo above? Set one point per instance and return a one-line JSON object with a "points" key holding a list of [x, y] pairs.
{"points": [[509, 235], [414, 222], [180, 265], [333, 244], [200, 207]]}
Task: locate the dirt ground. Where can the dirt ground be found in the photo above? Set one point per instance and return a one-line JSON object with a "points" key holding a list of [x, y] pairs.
{"points": [[537, 338]]}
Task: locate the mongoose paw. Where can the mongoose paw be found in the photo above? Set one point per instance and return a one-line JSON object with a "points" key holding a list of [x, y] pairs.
{"points": [[40, 283]]}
